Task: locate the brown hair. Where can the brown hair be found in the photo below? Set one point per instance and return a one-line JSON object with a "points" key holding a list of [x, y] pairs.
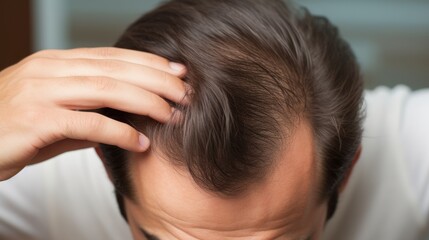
{"points": [[255, 67]]}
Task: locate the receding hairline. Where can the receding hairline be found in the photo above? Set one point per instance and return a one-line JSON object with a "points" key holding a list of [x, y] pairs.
{"points": [[299, 124], [307, 50]]}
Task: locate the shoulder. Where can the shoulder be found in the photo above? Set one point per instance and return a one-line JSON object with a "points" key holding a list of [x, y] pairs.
{"points": [[384, 107], [382, 188], [35, 199], [82, 198], [69, 195], [415, 142]]}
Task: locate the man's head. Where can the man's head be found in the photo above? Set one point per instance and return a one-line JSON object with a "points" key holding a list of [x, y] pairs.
{"points": [[269, 135]]}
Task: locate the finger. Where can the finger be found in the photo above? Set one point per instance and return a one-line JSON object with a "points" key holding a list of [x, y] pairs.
{"points": [[60, 147], [156, 81], [81, 93], [93, 127], [111, 53]]}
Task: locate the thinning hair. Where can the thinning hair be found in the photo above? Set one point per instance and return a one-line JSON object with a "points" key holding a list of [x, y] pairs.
{"points": [[255, 68]]}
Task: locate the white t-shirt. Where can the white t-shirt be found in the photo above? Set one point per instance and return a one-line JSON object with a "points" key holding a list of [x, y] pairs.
{"points": [[387, 197]]}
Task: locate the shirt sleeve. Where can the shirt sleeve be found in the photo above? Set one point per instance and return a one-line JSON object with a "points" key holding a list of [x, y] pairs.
{"points": [[22, 207], [415, 141], [68, 197]]}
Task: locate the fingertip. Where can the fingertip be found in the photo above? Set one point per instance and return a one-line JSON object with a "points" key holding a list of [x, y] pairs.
{"points": [[177, 68], [144, 142]]}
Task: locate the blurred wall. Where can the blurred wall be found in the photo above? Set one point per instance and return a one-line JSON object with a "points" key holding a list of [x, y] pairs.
{"points": [[390, 37], [16, 32]]}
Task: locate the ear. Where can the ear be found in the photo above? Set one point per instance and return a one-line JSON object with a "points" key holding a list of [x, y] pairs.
{"points": [[103, 160], [350, 170]]}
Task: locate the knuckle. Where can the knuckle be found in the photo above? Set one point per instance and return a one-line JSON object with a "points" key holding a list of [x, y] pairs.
{"points": [[83, 81], [34, 63], [165, 80], [102, 84], [161, 106], [169, 80], [107, 66], [42, 53], [103, 52], [73, 126], [35, 58], [93, 122], [154, 60], [80, 79], [124, 131], [155, 101], [95, 83]]}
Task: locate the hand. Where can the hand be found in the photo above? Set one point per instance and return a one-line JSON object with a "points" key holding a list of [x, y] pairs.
{"points": [[39, 97]]}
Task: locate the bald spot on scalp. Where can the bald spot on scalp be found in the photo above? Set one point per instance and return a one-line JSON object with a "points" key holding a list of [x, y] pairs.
{"points": [[285, 201]]}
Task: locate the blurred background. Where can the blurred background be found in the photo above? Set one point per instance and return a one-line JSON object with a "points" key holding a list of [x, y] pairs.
{"points": [[389, 37]]}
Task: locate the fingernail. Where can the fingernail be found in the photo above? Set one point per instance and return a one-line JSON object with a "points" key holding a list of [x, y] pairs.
{"points": [[144, 141], [177, 66]]}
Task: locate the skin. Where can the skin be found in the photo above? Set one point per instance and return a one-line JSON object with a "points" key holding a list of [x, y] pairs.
{"points": [[39, 97], [283, 206]]}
